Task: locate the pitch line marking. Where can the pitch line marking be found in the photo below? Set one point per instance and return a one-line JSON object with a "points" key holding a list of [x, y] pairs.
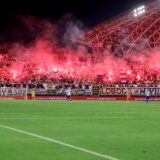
{"points": [[61, 143], [68, 118]]}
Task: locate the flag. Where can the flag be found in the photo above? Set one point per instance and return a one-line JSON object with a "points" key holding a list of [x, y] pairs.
{"points": [[123, 75]]}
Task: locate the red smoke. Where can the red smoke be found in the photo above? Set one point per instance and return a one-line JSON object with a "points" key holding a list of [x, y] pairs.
{"points": [[46, 60]]}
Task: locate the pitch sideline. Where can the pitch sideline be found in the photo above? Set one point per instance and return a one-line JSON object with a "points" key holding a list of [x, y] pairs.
{"points": [[61, 143]]}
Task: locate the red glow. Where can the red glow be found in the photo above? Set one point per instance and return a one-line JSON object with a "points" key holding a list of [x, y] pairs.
{"points": [[129, 72], [45, 60]]}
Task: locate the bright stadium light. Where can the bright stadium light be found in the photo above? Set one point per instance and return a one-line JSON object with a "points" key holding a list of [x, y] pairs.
{"points": [[139, 11]]}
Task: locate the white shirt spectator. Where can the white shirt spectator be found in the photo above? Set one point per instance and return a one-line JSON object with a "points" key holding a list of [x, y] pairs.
{"points": [[68, 92], [147, 94]]}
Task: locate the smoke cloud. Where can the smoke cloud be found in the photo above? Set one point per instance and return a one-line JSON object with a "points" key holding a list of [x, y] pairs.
{"points": [[53, 55]]}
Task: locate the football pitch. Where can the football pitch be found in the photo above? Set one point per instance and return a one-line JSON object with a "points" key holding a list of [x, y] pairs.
{"points": [[79, 130]]}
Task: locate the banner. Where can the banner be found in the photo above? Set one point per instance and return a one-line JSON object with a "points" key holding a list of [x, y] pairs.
{"points": [[51, 89], [12, 92], [115, 91], [9, 89]]}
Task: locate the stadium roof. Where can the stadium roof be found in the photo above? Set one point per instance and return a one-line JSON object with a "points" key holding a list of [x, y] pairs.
{"points": [[126, 33]]}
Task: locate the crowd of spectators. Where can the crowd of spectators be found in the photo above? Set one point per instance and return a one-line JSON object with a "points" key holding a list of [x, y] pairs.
{"points": [[150, 77]]}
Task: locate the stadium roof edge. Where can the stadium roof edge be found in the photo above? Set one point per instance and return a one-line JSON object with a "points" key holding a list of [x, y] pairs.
{"points": [[127, 17]]}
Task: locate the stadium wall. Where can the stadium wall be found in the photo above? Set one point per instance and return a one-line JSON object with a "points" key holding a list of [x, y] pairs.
{"points": [[79, 92], [99, 98]]}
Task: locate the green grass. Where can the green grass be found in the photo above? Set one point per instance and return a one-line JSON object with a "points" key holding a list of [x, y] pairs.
{"points": [[127, 131]]}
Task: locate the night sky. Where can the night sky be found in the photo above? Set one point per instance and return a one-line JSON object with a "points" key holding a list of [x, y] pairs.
{"points": [[90, 12]]}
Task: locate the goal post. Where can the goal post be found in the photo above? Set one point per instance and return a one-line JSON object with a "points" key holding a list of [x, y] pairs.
{"points": [[26, 93]]}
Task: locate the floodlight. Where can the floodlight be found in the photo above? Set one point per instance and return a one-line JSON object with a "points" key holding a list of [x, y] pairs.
{"points": [[135, 14], [139, 11], [135, 10]]}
